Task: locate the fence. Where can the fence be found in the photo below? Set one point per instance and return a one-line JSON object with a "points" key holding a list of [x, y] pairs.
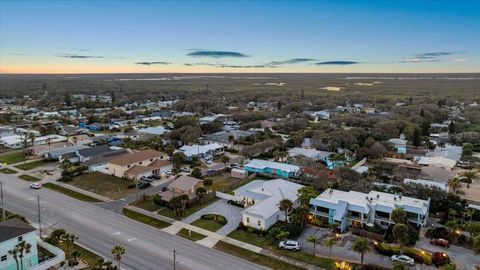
{"points": [[374, 236], [59, 256]]}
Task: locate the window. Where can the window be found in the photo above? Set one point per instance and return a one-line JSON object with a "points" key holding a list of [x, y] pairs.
{"points": [[151, 159], [140, 163], [259, 223], [128, 166], [248, 219], [4, 258], [20, 238]]}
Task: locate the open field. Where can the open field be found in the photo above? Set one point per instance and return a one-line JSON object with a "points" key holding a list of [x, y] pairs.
{"points": [[71, 193], [103, 184], [32, 165]]}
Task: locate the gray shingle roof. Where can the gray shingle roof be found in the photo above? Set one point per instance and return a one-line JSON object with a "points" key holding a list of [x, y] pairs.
{"points": [[13, 228]]}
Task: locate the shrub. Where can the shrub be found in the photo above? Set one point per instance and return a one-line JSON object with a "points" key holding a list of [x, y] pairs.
{"points": [[418, 255], [375, 267], [208, 216], [132, 185], [222, 220], [157, 200], [440, 232]]}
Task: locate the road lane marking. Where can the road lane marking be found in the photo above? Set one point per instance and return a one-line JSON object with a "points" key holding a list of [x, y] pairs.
{"points": [[131, 239]]}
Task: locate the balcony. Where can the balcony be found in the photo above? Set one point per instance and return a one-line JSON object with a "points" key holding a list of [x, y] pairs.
{"points": [[314, 211], [357, 218]]}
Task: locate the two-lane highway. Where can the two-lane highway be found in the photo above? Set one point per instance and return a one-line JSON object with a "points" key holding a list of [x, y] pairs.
{"points": [[101, 229]]}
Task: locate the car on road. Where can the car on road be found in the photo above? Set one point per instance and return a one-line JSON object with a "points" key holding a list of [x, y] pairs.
{"points": [[440, 242], [210, 171], [404, 259], [36, 186], [164, 189], [289, 245], [156, 177], [143, 185], [185, 169]]}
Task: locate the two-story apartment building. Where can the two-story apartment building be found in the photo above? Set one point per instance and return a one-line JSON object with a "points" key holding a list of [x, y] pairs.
{"points": [[358, 209], [127, 165]]}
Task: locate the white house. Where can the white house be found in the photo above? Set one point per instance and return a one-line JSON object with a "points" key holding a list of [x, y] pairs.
{"points": [[261, 199], [358, 209], [201, 151]]}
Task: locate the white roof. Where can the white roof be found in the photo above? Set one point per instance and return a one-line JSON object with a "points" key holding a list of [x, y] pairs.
{"points": [[153, 130], [269, 193], [262, 164], [426, 182], [437, 161], [449, 151], [309, 153], [192, 150]]}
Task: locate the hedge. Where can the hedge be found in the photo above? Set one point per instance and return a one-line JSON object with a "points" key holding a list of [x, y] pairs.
{"points": [[220, 219], [418, 255]]}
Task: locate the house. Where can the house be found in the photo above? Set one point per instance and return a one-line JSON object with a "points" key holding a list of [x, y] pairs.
{"points": [[121, 165], [224, 138], [210, 119], [15, 141], [438, 161], [183, 185], [157, 167], [57, 153], [71, 130], [312, 154], [238, 173], [360, 209], [80, 139], [261, 200], [201, 151], [159, 130], [14, 231], [448, 151], [399, 145], [428, 182], [275, 169]]}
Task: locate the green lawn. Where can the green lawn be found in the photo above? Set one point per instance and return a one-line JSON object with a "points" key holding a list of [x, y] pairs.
{"points": [[211, 225], [32, 165], [28, 178], [90, 258], [71, 193], [256, 240], [13, 158], [146, 204], [7, 171], [145, 219], [103, 184], [171, 214], [254, 257], [194, 236]]}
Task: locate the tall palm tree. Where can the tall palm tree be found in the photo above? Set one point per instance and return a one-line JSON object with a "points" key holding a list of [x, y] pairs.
{"points": [[470, 176], [454, 183], [330, 242], [14, 253], [31, 137], [361, 246], [23, 247], [286, 206], [117, 252], [69, 239], [312, 239]]}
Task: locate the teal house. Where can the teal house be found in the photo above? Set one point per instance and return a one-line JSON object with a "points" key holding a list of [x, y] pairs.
{"points": [[19, 248], [270, 168]]}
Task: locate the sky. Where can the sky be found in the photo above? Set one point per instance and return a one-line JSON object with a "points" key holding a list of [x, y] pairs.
{"points": [[239, 36]]}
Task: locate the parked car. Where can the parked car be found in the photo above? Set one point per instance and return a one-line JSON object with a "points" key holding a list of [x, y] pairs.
{"points": [[234, 165], [210, 171], [208, 161], [36, 186], [156, 177], [289, 245], [146, 179], [185, 169], [168, 172], [440, 242], [143, 185], [404, 259], [164, 189]]}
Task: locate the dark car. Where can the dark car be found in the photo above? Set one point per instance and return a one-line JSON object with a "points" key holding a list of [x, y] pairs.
{"points": [[157, 177], [143, 185], [440, 242], [164, 188], [210, 171]]}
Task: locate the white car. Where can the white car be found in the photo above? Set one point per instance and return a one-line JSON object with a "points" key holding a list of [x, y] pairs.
{"points": [[289, 245], [404, 259], [36, 186]]}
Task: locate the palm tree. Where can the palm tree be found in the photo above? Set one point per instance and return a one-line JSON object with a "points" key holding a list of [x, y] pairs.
{"points": [[286, 206], [312, 239], [23, 247], [31, 136], [400, 233], [361, 246], [330, 242], [399, 215], [117, 252], [225, 159], [14, 253], [470, 176], [454, 183], [200, 192], [69, 239]]}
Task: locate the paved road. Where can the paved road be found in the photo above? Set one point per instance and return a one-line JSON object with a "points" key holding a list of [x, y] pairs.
{"points": [[463, 258], [100, 229]]}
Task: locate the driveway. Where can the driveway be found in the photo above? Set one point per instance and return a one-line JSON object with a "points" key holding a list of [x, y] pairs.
{"points": [[344, 248], [463, 258], [233, 214]]}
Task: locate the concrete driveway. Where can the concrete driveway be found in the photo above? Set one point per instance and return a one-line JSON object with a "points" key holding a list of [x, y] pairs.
{"points": [[233, 214], [463, 258]]}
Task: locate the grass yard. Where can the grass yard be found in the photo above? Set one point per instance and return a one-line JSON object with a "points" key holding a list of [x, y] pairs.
{"points": [[171, 214], [145, 219], [88, 257], [28, 178], [250, 238], [13, 158], [147, 204], [71, 193], [103, 184], [193, 236], [254, 257], [207, 224], [7, 171], [32, 165]]}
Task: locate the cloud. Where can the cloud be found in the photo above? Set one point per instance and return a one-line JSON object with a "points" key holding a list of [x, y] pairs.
{"points": [[460, 59], [341, 63], [290, 61], [77, 56], [430, 55], [19, 54], [226, 65], [216, 54], [427, 57], [152, 63]]}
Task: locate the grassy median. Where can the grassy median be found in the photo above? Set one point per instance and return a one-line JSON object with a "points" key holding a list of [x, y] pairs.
{"points": [[190, 235], [71, 193], [32, 165], [7, 171], [145, 219], [254, 257], [28, 178], [13, 158]]}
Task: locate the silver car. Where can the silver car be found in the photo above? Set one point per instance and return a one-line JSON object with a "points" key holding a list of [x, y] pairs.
{"points": [[289, 245], [404, 259]]}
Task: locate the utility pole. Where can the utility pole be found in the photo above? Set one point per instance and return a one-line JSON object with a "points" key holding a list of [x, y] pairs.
{"points": [[1, 198], [39, 217], [174, 259]]}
